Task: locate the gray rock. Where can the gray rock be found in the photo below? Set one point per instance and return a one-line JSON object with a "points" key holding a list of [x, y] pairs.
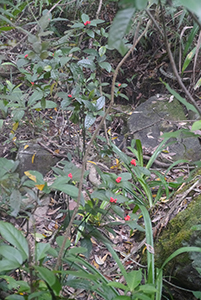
{"points": [[156, 116], [34, 157]]}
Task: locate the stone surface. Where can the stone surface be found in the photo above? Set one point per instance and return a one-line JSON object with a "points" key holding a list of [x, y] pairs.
{"points": [[156, 116], [34, 157]]}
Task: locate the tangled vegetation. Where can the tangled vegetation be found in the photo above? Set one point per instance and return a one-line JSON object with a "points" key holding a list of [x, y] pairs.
{"points": [[65, 68]]}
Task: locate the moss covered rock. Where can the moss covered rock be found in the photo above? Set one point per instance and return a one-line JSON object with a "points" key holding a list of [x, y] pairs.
{"points": [[182, 230]]}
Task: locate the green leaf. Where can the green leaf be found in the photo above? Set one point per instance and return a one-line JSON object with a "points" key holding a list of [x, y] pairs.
{"points": [[17, 115], [5, 166], [182, 100], [1, 123], [47, 275], [140, 4], [87, 63], [8, 265], [49, 104], [41, 250], [11, 254], [90, 33], [120, 27], [89, 120], [188, 59], [118, 261], [69, 189], [37, 95], [105, 65], [15, 297], [193, 6], [139, 152], [102, 50], [15, 238], [150, 243], [44, 21], [196, 125], [122, 298], [148, 289], [118, 285], [84, 18], [100, 103], [133, 279], [59, 241], [198, 84], [15, 202], [180, 251]]}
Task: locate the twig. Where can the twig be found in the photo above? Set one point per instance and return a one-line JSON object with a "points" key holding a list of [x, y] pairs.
{"points": [[99, 9], [167, 217], [173, 65], [67, 232]]}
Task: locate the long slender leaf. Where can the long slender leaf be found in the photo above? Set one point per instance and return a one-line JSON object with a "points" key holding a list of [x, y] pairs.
{"points": [[180, 251], [150, 243], [140, 153]]}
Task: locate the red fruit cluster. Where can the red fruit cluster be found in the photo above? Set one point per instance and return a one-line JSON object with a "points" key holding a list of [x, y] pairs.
{"points": [[87, 22]]}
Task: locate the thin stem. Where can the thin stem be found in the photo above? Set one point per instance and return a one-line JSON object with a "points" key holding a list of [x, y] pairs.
{"points": [[67, 232], [173, 65]]}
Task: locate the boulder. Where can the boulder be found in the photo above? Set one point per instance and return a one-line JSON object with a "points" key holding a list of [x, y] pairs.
{"points": [[32, 156], [158, 115]]}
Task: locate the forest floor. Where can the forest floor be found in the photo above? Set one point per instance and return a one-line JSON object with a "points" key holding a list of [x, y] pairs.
{"points": [[57, 133]]}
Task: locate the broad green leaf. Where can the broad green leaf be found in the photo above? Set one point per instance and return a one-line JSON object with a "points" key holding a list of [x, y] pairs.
{"points": [[17, 115], [8, 265], [49, 104], [193, 5], [120, 27], [90, 33], [44, 21], [35, 176], [133, 279], [37, 95], [196, 125], [12, 283], [148, 289], [89, 120], [15, 202], [41, 250], [59, 241], [15, 238], [100, 103], [69, 189], [105, 65], [84, 18], [11, 254], [47, 275], [140, 4], [87, 63], [102, 50], [6, 166]]}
